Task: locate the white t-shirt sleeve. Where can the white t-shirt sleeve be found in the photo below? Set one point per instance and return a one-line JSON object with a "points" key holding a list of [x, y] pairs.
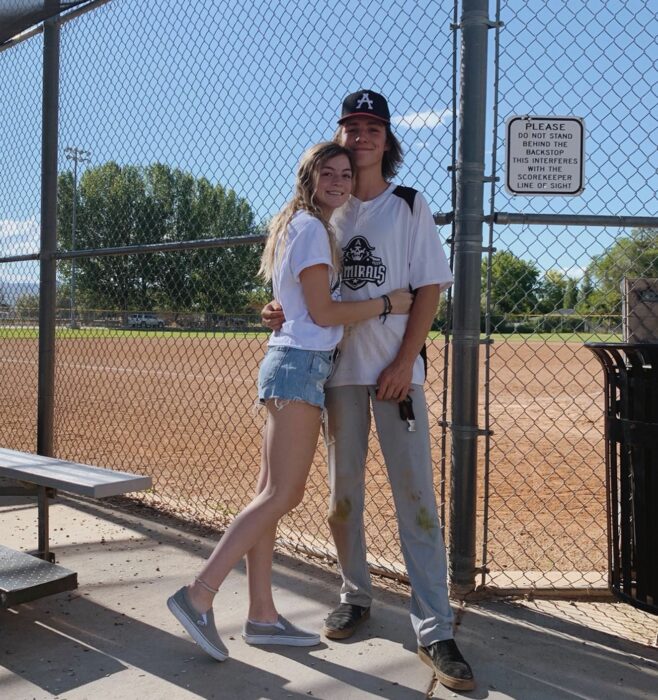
{"points": [[309, 247], [427, 261]]}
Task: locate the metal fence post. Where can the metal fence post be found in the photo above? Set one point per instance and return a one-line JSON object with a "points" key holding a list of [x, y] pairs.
{"points": [[48, 264], [466, 300]]}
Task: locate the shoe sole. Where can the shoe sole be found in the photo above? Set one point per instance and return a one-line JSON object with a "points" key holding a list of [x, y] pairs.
{"points": [[448, 681], [262, 639], [345, 632], [192, 630]]}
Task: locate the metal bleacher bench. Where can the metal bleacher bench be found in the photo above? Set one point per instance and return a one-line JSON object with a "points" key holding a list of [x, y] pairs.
{"points": [[24, 577]]}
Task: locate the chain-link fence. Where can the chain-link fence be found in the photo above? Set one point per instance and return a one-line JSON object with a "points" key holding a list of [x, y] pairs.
{"points": [[180, 123], [184, 123], [554, 286], [20, 112]]}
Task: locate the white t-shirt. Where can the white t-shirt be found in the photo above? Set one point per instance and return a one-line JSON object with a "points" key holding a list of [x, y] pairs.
{"points": [[306, 244], [388, 243]]}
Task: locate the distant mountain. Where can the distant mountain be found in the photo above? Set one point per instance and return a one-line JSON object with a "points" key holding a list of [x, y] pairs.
{"points": [[10, 291]]}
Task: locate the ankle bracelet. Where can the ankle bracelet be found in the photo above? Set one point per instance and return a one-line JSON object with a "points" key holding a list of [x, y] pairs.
{"points": [[203, 584]]}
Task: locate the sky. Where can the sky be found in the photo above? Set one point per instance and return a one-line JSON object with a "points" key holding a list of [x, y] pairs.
{"points": [[235, 92]]}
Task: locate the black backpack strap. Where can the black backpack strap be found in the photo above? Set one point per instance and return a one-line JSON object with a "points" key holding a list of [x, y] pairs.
{"points": [[409, 196], [423, 354], [406, 193], [423, 350]]}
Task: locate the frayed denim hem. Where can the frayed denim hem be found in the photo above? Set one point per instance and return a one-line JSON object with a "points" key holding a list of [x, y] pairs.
{"points": [[282, 403]]}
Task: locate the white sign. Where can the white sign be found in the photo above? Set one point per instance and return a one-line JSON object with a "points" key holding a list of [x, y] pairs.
{"points": [[545, 155]]}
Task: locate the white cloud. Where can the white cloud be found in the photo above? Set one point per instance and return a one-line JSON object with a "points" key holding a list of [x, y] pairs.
{"points": [[420, 120], [574, 271], [19, 236]]}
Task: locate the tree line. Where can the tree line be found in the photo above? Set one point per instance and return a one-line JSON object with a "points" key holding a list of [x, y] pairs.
{"points": [[129, 205], [518, 287]]}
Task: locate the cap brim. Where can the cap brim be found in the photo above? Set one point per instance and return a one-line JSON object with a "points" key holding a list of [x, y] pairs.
{"points": [[363, 114]]}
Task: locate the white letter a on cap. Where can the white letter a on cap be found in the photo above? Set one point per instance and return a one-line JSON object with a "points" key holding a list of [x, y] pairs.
{"points": [[365, 97]]}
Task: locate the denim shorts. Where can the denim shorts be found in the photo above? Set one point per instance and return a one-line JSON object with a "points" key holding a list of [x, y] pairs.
{"points": [[291, 374]]}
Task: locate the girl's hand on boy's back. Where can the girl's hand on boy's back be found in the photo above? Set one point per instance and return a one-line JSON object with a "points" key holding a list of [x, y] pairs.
{"points": [[401, 301]]}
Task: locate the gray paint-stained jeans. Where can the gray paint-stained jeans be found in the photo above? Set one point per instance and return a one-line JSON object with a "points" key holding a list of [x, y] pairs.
{"points": [[409, 466]]}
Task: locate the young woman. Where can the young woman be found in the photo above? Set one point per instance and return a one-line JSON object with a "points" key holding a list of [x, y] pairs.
{"points": [[302, 259]]}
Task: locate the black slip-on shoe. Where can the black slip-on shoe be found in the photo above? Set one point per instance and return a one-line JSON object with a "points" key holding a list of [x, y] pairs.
{"points": [[342, 621], [448, 664]]}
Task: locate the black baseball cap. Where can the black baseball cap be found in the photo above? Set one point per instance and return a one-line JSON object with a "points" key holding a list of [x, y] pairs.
{"points": [[366, 103]]}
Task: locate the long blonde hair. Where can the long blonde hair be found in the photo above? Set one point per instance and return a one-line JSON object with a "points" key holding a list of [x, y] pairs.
{"points": [[303, 199]]}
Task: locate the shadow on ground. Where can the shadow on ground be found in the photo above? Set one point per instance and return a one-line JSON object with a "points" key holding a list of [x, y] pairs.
{"points": [[114, 637]]}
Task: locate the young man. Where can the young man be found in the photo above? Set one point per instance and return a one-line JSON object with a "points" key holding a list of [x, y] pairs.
{"points": [[389, 241]]}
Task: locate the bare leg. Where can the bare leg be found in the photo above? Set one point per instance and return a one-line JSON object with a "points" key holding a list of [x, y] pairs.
{"points": [[259, 561], [290, 442]]}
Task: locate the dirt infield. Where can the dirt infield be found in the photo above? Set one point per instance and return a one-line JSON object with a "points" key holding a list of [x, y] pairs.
{"points": [[180, 409]]}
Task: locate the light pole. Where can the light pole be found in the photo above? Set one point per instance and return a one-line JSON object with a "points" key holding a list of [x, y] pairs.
{"points": [[77, 155]]}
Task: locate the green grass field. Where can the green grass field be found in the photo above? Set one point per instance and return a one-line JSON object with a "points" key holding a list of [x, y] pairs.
{"points": [[547, 337], [31, 332]]}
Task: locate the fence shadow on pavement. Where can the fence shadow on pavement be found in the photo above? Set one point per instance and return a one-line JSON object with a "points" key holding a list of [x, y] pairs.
{"points": [[114, 636], [523, 653], [65, 643]]}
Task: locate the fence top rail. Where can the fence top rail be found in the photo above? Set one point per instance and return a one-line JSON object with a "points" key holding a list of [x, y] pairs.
{"points": [[574, 219], [501, 217], [202, 243], [61, 18]]}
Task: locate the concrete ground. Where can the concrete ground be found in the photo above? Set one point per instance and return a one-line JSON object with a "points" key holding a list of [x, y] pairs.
{"points": [[114, 637]]}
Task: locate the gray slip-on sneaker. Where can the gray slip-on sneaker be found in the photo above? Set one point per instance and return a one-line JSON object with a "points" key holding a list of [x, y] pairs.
{"points": [[280, 632], [200, 626]]}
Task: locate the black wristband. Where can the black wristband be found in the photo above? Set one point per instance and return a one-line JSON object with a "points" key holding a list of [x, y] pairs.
{"points": [[388, 307]]}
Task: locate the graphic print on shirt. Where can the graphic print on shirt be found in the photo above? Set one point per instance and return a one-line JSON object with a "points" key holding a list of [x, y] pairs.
{"points": [[360, 266]]}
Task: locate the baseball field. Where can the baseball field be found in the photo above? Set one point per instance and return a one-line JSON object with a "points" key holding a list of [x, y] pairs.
{"points": [[180, 407]]}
